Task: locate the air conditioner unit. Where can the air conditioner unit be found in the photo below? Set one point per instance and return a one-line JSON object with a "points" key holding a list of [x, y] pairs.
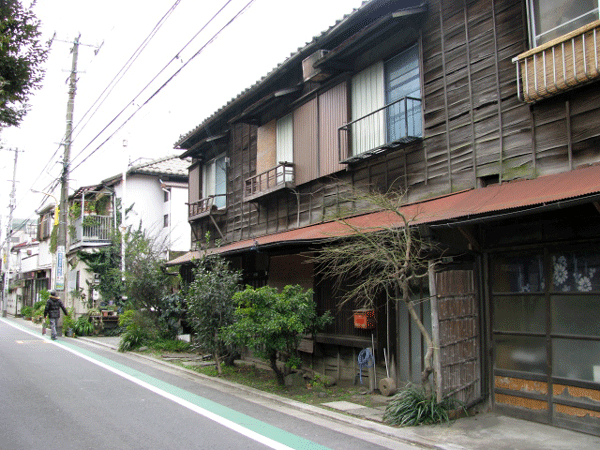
{"points": [[309, 72]]}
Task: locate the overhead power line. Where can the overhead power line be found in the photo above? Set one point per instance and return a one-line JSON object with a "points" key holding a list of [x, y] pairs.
{"points": [[157, 91], [81, 125]]}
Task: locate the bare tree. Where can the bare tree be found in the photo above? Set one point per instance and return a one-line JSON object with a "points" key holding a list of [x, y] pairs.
{"points": [[380, 259]]}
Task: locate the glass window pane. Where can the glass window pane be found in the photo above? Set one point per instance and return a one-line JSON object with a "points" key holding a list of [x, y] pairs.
{"points": [[575, 314], [522, 353], [559, 17], [522, 313], [576, 359], [220, 182], [367, 96], [403, 80], [576, 271], [285, 139], [518, 273]]}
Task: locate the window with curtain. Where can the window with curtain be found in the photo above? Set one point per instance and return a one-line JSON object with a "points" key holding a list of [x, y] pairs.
{"points": [[214, 181]]}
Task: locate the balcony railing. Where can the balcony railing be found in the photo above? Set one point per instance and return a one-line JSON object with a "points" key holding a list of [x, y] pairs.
{"points": [[559, 65], [204, 207], [382, 130], [92, 229], [279, 177]]}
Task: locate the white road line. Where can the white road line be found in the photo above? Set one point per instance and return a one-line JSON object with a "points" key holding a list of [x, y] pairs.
{"points": [[192, 407]]}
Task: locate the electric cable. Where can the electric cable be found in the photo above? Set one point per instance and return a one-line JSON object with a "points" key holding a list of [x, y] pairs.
{"points": [[155, 77], [81, 125], [121, 73]]}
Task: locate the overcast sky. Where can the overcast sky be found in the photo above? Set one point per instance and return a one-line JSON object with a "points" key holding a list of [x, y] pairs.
{"points": [[111, 31]]}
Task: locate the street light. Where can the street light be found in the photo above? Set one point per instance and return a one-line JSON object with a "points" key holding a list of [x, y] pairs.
{"points": [[56, 204]]}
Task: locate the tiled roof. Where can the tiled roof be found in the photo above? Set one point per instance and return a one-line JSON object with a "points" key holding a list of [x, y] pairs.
{"points": [[301, 51], [169, 165]]}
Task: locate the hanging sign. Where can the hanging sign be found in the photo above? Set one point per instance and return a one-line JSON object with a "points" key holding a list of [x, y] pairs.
{"points": [[60, 268]]}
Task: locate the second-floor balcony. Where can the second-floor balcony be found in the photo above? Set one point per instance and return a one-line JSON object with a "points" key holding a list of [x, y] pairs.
{"points": [[559, 65], [206, 207], [91, 229], [387, 128], [275, 179]]}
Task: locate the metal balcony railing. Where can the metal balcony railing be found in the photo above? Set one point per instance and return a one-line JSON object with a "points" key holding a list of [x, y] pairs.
{"points": [[92, 229], [386, 128], [279, 177]]}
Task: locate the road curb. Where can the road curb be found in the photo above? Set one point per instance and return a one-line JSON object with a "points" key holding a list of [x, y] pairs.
{"points": [[362, 423]]}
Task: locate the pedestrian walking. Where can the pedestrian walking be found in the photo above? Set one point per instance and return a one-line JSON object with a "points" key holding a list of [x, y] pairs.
{"points": [[53, 307]]}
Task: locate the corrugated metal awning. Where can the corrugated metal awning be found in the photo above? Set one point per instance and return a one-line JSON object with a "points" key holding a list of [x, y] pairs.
{"points": [[489, 203]]}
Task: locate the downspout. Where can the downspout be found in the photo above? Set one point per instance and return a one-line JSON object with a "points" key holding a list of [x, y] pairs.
{"points": [[168, 192]]}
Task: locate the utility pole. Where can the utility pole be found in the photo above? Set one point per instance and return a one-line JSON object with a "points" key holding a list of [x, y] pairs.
{"points": [[12, 204], [61, 248]]}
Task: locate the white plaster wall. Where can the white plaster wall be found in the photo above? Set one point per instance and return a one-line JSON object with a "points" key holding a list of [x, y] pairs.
{"points": [[149, 208]]}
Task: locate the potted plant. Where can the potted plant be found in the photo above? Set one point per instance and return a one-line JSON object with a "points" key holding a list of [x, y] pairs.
{"points": [[69, 323], [27, 312]]}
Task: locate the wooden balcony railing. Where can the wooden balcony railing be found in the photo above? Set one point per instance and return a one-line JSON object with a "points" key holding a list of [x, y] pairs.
{"points": [[203, 207], [279, 177]]}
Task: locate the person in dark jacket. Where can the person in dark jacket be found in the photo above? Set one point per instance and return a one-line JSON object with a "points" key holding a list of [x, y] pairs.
{"points": [[53, 307]]}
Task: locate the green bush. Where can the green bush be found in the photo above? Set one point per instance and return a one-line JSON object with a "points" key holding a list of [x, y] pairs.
{"points": [[68, 321], [27, 311], [413, 406], [140, 329], [83, 326]]}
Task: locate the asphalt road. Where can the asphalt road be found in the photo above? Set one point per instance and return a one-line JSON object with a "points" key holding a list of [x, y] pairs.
{"points": [[68, 394]]}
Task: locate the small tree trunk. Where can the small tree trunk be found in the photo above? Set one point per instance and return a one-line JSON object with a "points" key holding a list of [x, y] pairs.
{"points": [[428, 359], [217, 356], [278, 373], [218, 363]]}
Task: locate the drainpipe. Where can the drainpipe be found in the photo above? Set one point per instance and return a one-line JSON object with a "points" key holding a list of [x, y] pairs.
{"points": [[168, 192]]}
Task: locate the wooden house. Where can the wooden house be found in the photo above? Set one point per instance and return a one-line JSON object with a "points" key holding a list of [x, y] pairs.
{"points": [[487, 113]]}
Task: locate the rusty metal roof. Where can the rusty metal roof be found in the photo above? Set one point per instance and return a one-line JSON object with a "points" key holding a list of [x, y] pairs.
{"points": [[492, 202]]}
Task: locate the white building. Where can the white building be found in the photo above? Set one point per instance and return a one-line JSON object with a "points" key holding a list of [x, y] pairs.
{"points": [[156, 192]]}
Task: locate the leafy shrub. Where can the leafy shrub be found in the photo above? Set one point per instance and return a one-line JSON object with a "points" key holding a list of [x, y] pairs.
{"points": [[126, 318], [210, 305], [413, 406], [272, 324], [139, 330], [172, 312], [38, 311], [68, 321], [83, 326], [27, 311], [44, 295]]}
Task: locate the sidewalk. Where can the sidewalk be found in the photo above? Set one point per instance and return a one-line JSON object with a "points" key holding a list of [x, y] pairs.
{"points": [[488, 431]]}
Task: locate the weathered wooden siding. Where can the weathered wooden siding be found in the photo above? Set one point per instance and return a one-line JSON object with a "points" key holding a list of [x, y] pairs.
{"points": [[474, 127]]}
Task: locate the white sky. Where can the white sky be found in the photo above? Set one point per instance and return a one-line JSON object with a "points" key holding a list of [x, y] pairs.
{"points": [[255, 43]]}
